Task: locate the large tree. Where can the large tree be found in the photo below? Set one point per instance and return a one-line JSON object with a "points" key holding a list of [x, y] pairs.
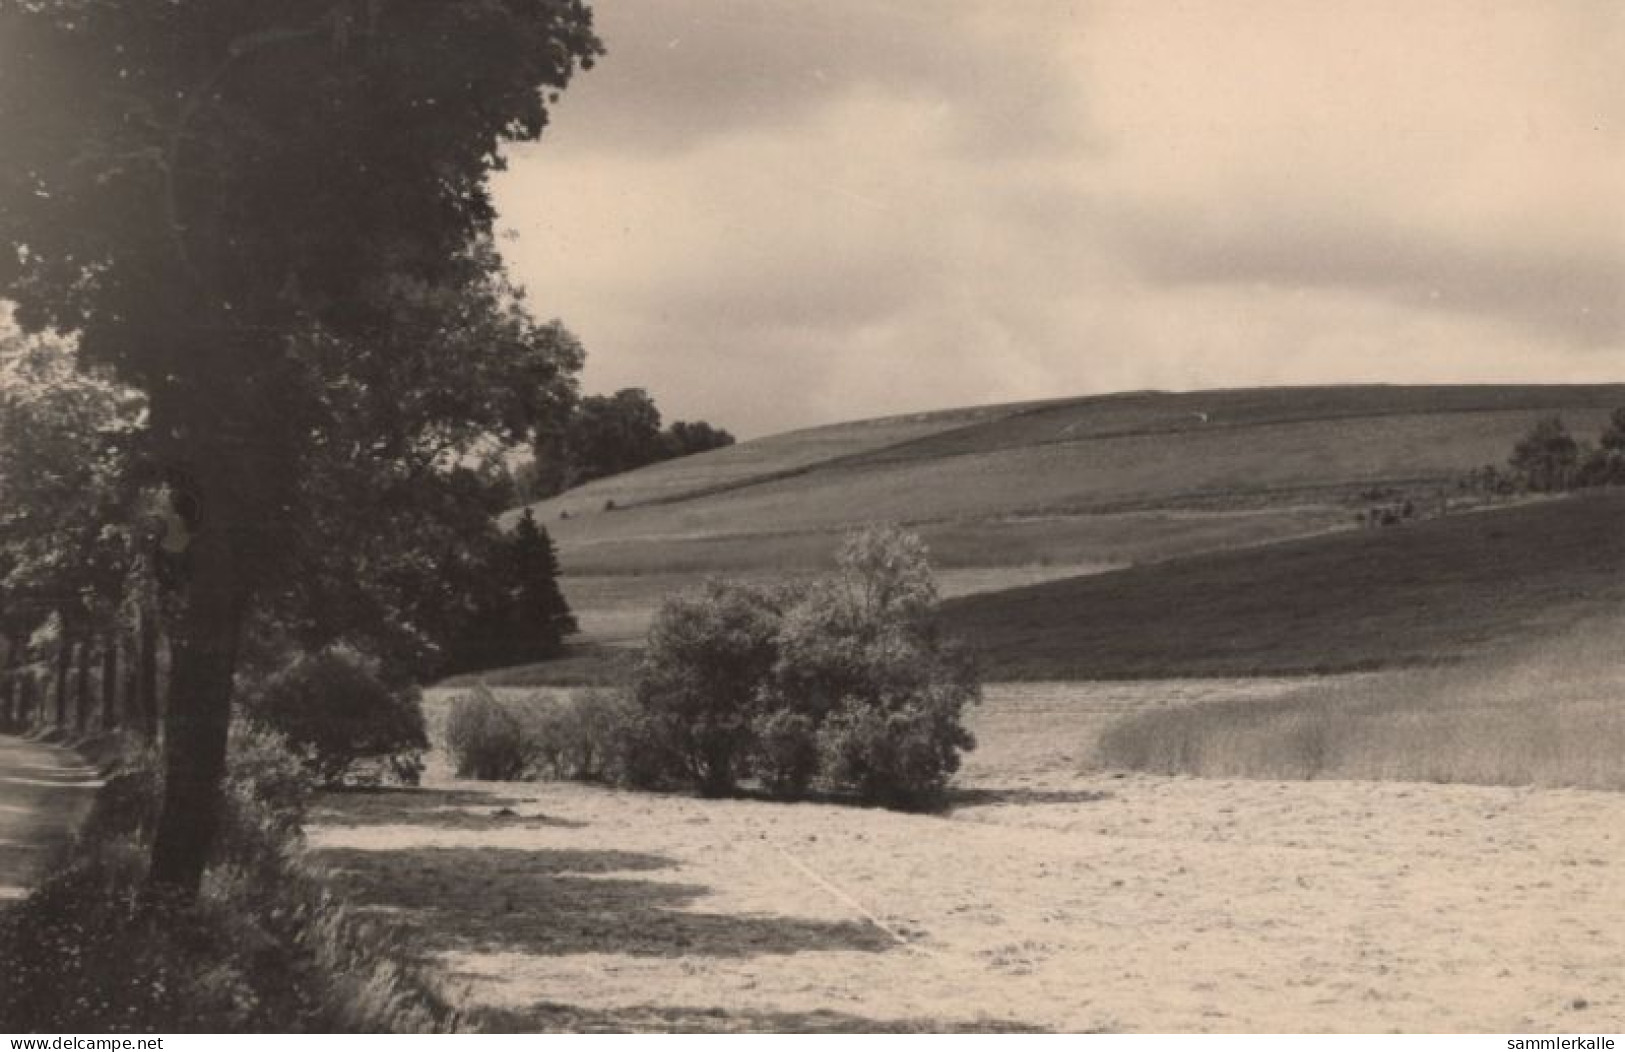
{"points": [[256, 213]]}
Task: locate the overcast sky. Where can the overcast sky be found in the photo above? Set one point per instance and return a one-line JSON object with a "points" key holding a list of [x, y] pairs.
{"points": [[773, 213]]}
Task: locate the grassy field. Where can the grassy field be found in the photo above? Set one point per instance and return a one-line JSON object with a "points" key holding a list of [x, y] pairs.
{"points": [[771, 457], [1323, 462], [1078, 464], [1545, 714], [1416, 594]]}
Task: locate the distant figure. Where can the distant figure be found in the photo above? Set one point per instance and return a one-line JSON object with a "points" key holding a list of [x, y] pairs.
{"points": [[1200, 416]]}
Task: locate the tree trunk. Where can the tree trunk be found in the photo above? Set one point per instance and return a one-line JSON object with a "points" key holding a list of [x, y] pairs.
{"points": [[64, 669], [11, 702], [203, 658], [81, 720], [110, 683], [30, 699], [146, 677], [130, 688]]}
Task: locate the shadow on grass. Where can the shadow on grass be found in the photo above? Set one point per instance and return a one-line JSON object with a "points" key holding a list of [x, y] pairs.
{"points": [[546, 1017], [439, 808], [560, 901], [986, 797]]}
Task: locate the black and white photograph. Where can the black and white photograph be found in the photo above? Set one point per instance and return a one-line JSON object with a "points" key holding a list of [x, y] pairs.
{"points": [[658, 517]]}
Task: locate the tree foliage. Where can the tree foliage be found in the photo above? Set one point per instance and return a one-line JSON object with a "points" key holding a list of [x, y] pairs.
{"points": [[336, 707], [609, 434], [1548, 457], [70, 531], [273, 220]]}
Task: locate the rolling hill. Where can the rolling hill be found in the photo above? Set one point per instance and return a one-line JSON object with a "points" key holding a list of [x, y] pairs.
{"points": [[1017, 494]]}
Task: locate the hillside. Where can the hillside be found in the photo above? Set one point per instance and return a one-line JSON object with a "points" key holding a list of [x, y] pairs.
{"points": [[1008, 495], [1417, 594], [978, 479]]}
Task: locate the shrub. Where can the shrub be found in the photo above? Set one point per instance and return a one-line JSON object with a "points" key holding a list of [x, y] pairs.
{"points": [[846, 680], [786, 756], [267, 793], [335, 708], [862, 658], [708, 654], [583, 734], [901, 755], [488, 739]]}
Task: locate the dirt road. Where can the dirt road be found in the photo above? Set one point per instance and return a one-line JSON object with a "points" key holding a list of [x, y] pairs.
{"points": [[44, 792]]}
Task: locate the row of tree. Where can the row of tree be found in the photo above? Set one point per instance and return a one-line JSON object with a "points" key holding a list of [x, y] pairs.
{"points": [[1549, 459], [86, 550], [267, 229], [606, 435]]}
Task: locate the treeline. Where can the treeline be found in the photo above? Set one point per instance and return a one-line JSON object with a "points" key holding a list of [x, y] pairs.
{"points": [[1549, 459], [407, 569], [606, 435]]}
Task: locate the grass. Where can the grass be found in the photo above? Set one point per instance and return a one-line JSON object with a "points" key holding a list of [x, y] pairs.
{"points": [[582, 665], [1550, 715], [776, 456], [1097, 538], [1423, 593]]}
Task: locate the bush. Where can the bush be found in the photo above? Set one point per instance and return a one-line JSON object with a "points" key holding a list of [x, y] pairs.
{"points": [[488, 739], [900, 756], [584, 734], [786, 756], [846, 681], [335, 708], [708, 655], [267, 793]]}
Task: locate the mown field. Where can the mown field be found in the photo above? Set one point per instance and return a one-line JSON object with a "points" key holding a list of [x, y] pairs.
{"points": [[1053, 894]]}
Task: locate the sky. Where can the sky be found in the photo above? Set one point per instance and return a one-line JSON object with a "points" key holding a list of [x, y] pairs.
{"points": [[777, 213]]}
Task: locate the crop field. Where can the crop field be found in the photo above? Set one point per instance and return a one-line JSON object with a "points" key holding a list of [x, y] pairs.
{"points": [[1546, 713], [1421, 593]]}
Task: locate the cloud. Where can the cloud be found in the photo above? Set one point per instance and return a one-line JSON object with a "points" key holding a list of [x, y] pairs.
{"points": [[774, 213], [683, 72]]}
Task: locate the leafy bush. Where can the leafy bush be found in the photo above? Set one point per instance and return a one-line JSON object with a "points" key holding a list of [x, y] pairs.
{"points": [[901, 755], [267, 793], [488, 739], [335, 708], [786, 755], [846, 681], [584, 734], [708, 655]]}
